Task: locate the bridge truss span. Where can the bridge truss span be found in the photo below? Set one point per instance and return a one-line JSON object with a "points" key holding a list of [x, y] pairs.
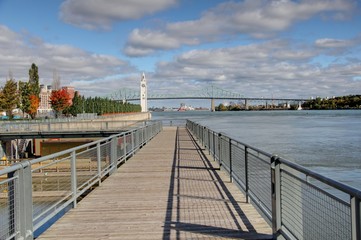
{"points": [[211, 93]]}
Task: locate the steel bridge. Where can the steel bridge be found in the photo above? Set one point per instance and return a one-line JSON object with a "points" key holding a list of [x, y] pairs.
{"points": [[212, 93]]}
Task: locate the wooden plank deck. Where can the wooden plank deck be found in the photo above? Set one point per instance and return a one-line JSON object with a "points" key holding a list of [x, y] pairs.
{"points": [[168, 190]]}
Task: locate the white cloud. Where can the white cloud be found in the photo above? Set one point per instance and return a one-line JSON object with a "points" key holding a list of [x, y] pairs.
{"points": [[18, 52], [100, 14], [256, 18], [258, 70], [146, 42], [336, 47], [333, 43]]}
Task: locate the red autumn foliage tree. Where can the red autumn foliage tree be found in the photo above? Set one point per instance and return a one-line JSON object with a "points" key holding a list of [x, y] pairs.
{"points": [[59, 100], [34, 104]]}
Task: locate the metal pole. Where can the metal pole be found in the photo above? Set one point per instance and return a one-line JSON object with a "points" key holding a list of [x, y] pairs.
{"points": [[230, 160], [73, 178], [12, 204], [204, 137], [356, 218], [125, 147], [147, 130], [144, 136], [113, 155], [209, 142], [276, 195], [99, 163], [132, 140], [246, 172], [220, 149], [214, 147], [25, 201]]}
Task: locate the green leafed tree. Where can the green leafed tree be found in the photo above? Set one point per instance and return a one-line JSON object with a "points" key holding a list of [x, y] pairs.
{"points": [[29, 91], [24, 92], [77, 106], [9, 97], [221, 107], [34, 80]]}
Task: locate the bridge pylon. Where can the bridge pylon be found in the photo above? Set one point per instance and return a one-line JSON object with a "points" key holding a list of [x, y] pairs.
{"points": [[213, 107], [143, 94]]}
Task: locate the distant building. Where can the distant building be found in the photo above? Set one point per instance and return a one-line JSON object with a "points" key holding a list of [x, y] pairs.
{"points": [[45, 93], [44, 105], [71, 92]]}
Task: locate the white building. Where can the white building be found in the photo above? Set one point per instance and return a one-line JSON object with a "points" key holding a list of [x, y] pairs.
{"points": [[44, 105]]}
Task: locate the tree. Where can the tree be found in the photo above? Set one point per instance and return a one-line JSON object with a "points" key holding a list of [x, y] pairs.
{"points": [[59, 100], [77, 105], [33, 107], [343, 102], [24, 95], [221, 107], [9, 97], [31, 88], [34, 80]]}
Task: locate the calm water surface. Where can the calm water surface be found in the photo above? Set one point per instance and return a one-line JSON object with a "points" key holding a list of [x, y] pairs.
{"points": [[328, 142]]}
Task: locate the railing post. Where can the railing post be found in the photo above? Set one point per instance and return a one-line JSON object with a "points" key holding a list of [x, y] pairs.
{"points": [[220, 149], [356, 217], [24, 209], [99, 164], [214, 146], [125, 147], [12, 203], [141, 138], [113, 155], [246, 172], [145, 135], [203, 137], [132, 140], [276, 195], [25, 180], [73, 179], [230, 160], [209, 142], [199, 132]]}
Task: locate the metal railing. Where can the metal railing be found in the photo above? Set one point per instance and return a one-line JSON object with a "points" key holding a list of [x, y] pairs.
{"points": [[34, 192], [67, 126], [297, 202], [173, 122]]}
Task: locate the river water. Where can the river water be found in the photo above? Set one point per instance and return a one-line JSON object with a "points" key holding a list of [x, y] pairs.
{"points": [[328, 142]]}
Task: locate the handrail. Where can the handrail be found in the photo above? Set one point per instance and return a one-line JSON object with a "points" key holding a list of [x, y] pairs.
{"points": [[36, 191], [66, 126], [329, 181], [298, 202]]}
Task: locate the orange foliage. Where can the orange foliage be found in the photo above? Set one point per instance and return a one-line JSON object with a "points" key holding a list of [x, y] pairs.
{"points": [[34, 104], [59, 100]]}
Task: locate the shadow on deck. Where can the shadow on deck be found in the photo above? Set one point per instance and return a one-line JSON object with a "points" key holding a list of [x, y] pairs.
{"points": [[203, 204]]}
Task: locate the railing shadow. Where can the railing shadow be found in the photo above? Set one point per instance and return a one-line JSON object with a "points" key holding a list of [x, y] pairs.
{"points": [[174, 226]]}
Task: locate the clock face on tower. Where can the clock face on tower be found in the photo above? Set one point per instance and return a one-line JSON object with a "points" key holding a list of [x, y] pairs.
{"points": [[143, 85]]}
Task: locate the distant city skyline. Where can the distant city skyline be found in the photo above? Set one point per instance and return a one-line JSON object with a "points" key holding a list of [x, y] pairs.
{"points": [[279, 48]]}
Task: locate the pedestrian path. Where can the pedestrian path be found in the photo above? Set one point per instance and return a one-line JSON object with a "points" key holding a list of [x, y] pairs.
{"points": [[170, 189]]}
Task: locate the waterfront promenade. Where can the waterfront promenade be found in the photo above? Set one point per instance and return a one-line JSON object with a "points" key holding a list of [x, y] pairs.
{"points": [[170, 189]]}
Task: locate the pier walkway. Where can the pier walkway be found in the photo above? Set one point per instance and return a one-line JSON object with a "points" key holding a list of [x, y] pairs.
{"points": [[170, 189]]}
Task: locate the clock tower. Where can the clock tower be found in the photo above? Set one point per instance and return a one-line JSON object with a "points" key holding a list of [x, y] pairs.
{"points": [[143, 94]]}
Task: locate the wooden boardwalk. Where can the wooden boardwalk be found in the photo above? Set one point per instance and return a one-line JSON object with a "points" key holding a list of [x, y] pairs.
{"points": [[169, 190]]}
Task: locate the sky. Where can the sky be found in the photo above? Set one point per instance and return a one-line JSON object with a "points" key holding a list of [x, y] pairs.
{"points": [[256, 48]]}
